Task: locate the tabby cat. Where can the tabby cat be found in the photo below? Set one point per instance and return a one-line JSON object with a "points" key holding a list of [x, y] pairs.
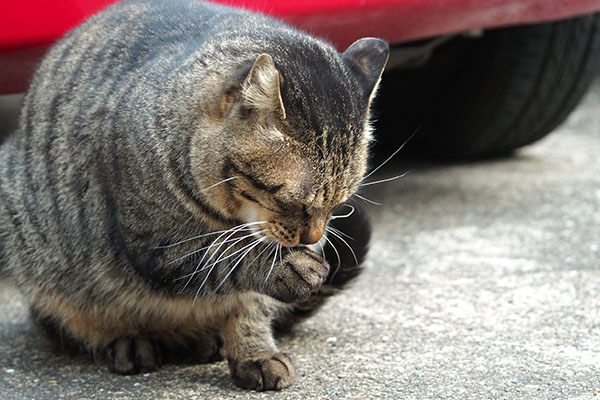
{"points": [[174, 162]]}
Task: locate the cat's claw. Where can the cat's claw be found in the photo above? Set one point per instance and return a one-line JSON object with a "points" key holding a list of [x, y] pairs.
{"points": [[301, 274], [128, 356], [263, 372]]}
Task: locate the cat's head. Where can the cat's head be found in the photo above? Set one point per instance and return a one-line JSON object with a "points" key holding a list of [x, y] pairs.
{"points": [[296, 133]]}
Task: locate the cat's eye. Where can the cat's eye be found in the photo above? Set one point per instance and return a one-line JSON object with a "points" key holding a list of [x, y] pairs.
{"points": [[259, 184]]}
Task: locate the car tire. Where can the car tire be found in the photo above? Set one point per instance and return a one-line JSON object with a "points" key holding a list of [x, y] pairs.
{"points": [[490, 95]]}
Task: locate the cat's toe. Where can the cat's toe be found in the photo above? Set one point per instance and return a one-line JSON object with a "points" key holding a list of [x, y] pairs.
{"points": [[206, 348], [263, 372], [127, 356]]}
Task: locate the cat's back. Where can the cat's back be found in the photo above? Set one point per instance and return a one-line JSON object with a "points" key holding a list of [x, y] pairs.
{"points": [[131, 50], [130, 37]]}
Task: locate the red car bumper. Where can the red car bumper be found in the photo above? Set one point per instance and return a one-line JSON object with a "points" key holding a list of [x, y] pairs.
{"points": [[27, 28]]}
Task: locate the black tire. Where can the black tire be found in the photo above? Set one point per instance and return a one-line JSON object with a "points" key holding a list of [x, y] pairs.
{"points": [[488, 96]]}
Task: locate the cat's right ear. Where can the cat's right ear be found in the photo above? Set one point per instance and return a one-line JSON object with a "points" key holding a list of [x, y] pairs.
{"points": [[367, 57], [261, 89]]}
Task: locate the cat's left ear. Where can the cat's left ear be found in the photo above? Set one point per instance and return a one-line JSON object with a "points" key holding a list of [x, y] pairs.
{"points": [[261, 89], [367, 57]]}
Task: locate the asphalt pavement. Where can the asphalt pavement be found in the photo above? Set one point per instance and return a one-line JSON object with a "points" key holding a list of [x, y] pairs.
{"points": [[483, 282]]}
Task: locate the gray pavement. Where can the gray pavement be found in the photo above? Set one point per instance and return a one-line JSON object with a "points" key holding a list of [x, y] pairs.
{"points": [[483, 282]]}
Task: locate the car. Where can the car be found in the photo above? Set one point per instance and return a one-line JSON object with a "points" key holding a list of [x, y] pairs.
{"points": [[473, 78]]}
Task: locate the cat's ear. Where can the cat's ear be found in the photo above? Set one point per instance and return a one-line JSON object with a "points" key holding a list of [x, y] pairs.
{"points": [[261, 89], [367, 57]]}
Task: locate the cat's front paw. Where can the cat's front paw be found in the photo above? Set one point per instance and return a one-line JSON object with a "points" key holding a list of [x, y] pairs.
{"points": [[133, 355], [263, 371], [301, 274]]}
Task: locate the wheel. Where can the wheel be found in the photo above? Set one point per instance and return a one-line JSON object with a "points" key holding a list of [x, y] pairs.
{"points": [[490, 95]]}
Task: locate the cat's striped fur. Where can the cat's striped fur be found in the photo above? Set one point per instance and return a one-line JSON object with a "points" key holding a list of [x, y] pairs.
{"points": [[160, 121]]}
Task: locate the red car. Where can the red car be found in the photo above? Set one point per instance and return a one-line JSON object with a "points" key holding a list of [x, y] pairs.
{"points": [[475, 77]]}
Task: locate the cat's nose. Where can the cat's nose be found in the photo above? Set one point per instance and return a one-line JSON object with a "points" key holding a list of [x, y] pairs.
{"points": [[311, 235], [314, 228]]}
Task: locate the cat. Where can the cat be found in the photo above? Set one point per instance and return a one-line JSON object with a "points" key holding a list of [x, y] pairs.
{"points": [[174, 170]]}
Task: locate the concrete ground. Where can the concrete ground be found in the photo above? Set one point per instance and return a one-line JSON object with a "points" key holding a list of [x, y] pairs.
{"points": [[483, 282]]}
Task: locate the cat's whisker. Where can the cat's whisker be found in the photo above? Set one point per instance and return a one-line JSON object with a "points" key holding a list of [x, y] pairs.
{"points": [[393, 154], [273, 263], [218, 183], [256, 243], [322, 249], [280, 253], [222, 253], [187, 240], [233, 232], [339, 237], [385, 180], [220, 258], [339, 232], [339, 260], [268, 246], [344, 216], [235, 255], [202, 284], [367, 200], [209, 246], [196, 270], [246, 225], [213, 265]]}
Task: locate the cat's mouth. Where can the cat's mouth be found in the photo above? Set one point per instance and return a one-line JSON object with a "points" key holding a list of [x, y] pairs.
{"points": [[287, 231], [294, 237]]}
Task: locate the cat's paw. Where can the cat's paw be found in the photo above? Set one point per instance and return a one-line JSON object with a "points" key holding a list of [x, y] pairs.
{"points": [[206, 348], [301, 274], [133, 355], [263, 371]]}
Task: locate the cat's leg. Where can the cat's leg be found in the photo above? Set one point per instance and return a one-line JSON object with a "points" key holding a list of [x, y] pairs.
{"points": [[131, 355], [125, 349], [254, 360], [132, 339], [146, 352], [190, 341]]}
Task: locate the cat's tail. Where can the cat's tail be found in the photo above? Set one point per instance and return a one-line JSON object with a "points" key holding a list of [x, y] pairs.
{"points": [[345, 250]]}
